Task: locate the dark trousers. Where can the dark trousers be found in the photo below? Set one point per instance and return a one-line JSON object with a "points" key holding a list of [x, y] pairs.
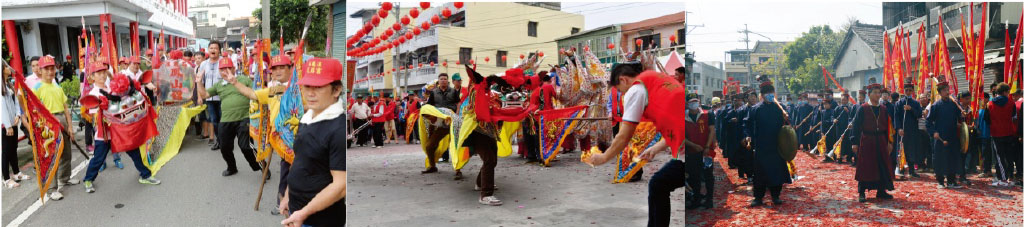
{"points": [[531, 140], [1004, 149], [434, 140], [987, 156], [378, 134], [699, 175], [364, 134], [230, 131], [415, 135], [663, 182], [759, 191], [89, 132], [100, 156], [10, 154], [973, 153], [488, 150]]}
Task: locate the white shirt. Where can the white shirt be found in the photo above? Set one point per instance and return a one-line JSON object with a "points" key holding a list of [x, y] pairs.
{"points": [[11, 109], [634, 101], [359, 110], [212, 76], [332, 111]]}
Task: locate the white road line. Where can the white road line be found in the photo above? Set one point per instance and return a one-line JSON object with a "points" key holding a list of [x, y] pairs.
{"points": [[39, 203]]}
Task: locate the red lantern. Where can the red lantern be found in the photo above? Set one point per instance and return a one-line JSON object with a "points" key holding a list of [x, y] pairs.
{"points": [[445, 63], [408, 36], [401, 67], [410, 67], [487, 59], [414, 13], [424, 5], [521, 56], [382, 13], [405, 20], [541, 54], [396, 27], [472, 62], [611, 46], [504, 58], [446, 12], [416, 31], [458, 5], [392, 69], [385, 6], [375, 20], [435, 19], [431, 64], [367, 27], [456, 62], [586, 48], [421, 65], [425, 25], [639, 42], [672, 38]]}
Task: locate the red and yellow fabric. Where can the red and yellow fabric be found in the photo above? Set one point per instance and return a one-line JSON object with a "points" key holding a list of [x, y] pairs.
{"points": [[554, 128], [45, 132], [645, 136]]}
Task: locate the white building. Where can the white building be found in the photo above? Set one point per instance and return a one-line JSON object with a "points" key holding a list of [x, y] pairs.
{"points": [[210, 15], [52, 27], [706, 79]]}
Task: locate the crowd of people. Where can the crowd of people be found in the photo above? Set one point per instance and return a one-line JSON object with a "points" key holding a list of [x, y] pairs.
{"points": [[312, 185], [887, 135]]}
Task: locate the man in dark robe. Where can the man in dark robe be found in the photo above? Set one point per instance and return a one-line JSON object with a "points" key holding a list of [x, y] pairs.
{"points": [[763, 122], [907, 111], [733, 127], [943, 123], [802, 118], [812, 134], [828, 117], [871, 128], [846, 113]]}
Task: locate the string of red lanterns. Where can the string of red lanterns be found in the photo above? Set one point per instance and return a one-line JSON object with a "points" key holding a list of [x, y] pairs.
{"points": [[381, 43]]}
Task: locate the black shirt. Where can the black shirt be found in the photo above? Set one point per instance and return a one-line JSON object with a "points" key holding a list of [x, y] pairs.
{"points": [[444, 98], [319, 148]]}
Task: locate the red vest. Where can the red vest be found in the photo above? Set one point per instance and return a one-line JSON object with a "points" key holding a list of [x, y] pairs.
{"points": [[616, 106], [665, 99], [699, 130], [377, 108], [389, 111]]}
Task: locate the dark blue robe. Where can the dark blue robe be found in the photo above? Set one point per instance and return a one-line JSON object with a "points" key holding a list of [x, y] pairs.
{"points": [[943, 118], [802, 115], [908, 120], [764, 120]]}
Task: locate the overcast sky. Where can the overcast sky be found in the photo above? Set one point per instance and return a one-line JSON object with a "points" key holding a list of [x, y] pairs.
{"points": [[239, 8], [596, 14], [713, 25]]}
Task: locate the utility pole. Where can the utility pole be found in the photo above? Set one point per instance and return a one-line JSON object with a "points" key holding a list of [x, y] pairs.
{"points": [[746, 41], [265, 21], [395, 62]]}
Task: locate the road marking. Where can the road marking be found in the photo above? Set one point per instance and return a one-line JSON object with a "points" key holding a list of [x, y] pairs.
{"points": [[39, 203]]}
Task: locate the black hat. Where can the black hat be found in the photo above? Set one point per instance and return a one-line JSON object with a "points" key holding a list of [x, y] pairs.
{"points": [[964, 94]]}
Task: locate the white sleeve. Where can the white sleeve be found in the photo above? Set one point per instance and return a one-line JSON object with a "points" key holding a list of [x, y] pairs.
{"points": [[633, 103]]}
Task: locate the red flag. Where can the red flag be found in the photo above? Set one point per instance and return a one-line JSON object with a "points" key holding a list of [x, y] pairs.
{"points": [[887, 68], [45, 132]]}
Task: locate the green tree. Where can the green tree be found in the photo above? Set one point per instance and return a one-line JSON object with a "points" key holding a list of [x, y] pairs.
{"points": [[805, 56], [291, 15]]}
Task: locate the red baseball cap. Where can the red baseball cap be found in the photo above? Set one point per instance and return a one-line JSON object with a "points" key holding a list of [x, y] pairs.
{"points": [[320, 72], [97, 66], [280, 60], [46, 61], [225, 63], [133, 60], [122, 60], [176, 54]]}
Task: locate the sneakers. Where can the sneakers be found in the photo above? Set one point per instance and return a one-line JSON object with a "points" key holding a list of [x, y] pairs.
{"points": [[490, 200], [117, 162], [149, 181], [997, 183], [73, 182], [88, 187], [55, 195]]}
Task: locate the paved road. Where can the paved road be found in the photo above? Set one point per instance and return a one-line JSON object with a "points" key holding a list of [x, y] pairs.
{"points": [[193, 193], [387, 189]]}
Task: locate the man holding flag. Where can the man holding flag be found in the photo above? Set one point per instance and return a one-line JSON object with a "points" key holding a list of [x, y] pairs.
{"points": [[53, 98], [907, 111]]}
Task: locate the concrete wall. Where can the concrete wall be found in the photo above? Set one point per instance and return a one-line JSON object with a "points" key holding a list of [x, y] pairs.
{"points": [[495, 26]]}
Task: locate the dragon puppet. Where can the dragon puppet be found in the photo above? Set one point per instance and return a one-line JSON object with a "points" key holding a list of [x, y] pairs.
{"points": [[494, 108]]}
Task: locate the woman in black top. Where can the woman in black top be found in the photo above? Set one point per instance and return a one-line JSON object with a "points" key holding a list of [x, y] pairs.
{"points": [[316, 182]]}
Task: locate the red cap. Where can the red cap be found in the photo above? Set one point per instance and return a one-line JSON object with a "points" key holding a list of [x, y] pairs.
{"points": [[122, 60], [46, 61], [225, 63], [280, 60], [176, 54], [97, 66], [321, 71], [133, 60], [68, 57]]}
